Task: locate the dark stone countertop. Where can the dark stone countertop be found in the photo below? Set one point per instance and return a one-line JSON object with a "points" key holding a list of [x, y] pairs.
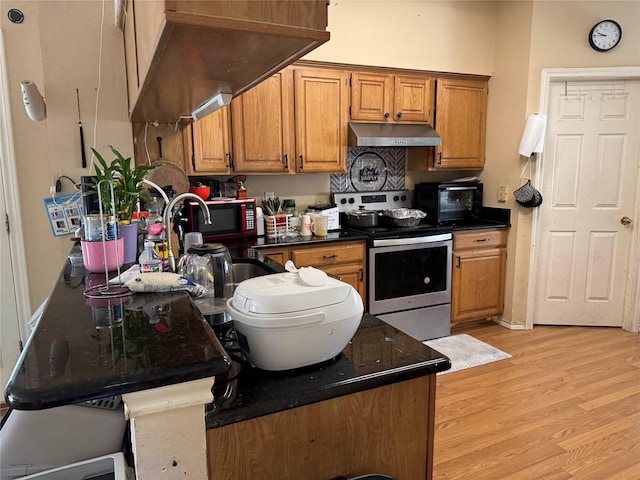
{"points": [[377, 355], [77, 354]]}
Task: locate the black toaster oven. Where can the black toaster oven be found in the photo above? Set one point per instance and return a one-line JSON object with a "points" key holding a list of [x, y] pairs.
{"points": [[449, 202]]}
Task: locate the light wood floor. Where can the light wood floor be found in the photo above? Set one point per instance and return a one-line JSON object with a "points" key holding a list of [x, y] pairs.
{"points": [[566, 405]]}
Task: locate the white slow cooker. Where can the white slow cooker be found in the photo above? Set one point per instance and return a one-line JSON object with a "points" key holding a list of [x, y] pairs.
{"points": [[294, 319]]}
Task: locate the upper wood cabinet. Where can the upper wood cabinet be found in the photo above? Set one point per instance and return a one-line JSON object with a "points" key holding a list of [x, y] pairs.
{"points": [[269, 135], [181, 53], [391, 98], [209, 146], [262, 127], [321, 119], [461, 119]]}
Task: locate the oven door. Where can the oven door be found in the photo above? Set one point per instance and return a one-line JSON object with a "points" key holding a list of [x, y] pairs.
{"points": [[409, 273], [457, 202]]}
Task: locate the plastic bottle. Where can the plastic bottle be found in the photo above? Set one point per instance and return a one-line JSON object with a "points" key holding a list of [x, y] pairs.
{"points": [[159, 244], [148, 260]]}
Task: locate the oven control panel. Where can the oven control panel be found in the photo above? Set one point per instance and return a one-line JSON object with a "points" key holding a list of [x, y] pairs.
{"points": [[372, 200]]}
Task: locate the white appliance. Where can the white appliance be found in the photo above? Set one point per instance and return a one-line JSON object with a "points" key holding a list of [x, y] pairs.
{"points": [[33, 441], [108, 466], [294, 319]]}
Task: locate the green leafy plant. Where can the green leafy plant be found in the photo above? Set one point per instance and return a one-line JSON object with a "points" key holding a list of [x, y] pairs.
{"points": [[126, 181]]}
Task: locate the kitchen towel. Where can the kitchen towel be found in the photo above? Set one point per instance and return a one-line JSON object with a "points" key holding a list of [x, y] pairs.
{"points": [[465, 351]]}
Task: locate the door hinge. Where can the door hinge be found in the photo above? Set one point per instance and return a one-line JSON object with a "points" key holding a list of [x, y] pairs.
{"points": [[7, 226]]}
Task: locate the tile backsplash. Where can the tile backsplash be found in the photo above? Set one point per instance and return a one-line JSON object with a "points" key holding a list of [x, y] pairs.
{"points": [[371, 169]]}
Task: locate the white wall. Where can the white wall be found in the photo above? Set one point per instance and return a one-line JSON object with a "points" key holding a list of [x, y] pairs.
{"points": [[58, 46]]}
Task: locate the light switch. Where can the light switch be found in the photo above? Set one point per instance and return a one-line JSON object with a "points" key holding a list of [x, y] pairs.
{"points": [[502, 193]]}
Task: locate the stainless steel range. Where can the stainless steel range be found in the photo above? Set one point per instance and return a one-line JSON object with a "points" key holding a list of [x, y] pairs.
{"points": [[409, 268]]}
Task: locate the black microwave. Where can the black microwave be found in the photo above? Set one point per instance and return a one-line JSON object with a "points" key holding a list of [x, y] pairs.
{"points": [[229, 219], [449, 202]]}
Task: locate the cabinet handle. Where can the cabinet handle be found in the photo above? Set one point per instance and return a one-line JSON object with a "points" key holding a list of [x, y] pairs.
{"points": [[361, 275], [439, 158], [458, 266], [386, 115], [286, 161], [329, 257], [228, 155], [399, 115], [480, 240], [301, 162]]}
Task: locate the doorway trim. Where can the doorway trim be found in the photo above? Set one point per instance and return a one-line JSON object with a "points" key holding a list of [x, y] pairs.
{"points": [[12, 200], [631, 307]]}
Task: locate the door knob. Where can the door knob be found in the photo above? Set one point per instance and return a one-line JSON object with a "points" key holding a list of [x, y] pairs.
{"points": [[625, 220]]}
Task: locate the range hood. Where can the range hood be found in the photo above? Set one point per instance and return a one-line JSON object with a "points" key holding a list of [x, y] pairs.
{"points": [[392, 135]]}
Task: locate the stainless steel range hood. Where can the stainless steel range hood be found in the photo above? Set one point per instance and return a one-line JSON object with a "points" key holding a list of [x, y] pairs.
{"points": [[392, 135]]}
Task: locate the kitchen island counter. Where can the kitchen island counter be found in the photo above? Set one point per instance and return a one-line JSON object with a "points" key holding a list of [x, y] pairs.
{"points": [[159, 353], [377, 355], [89, 348], [337, 419]]}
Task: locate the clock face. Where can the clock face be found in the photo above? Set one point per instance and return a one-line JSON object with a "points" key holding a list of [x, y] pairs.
{"points": [[605, 35]]}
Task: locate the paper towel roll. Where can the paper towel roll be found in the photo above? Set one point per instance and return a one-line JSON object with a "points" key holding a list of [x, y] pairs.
{"points": [[533, 135]]}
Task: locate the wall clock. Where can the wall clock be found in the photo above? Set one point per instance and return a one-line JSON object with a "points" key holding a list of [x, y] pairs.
{"points": [[605, 35]]}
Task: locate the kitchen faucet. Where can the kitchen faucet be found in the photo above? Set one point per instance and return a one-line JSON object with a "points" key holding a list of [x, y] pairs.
{"points": [[167, 221]]}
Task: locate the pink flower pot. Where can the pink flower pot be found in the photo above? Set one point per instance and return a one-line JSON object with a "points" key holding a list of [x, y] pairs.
{"points": [[93, 255]]}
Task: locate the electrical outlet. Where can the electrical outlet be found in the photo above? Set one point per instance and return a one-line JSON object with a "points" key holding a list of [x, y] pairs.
{"points": [[269, 195], [502, 193]]}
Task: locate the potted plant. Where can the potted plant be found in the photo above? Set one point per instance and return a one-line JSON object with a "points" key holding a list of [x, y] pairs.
{"points": [[127, 191], [127, 184]]}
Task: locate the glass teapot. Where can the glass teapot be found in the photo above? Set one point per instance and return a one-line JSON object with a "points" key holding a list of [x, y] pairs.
{"points": [[210, 265]]}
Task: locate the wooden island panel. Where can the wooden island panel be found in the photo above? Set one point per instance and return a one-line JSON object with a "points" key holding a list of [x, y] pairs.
{"points": [[388, 429]]}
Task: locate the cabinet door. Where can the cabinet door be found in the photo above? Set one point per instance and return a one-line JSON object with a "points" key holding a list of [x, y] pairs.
{"points": [[351, 274], [477, 284], [262, 126], [461, 123], [413, 99], [371, 96], [346, 261], [280, 255], [391, 98], [212, 144], [321, 119]]}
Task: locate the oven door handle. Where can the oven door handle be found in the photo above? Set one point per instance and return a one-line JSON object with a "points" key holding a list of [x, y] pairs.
{"points": [[390, 242]]}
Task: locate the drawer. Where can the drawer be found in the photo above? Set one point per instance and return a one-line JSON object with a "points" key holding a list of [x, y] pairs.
{"points": [[479, 239], [328, 255]]}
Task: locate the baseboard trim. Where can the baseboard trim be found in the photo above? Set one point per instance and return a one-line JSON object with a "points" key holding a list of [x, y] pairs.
{"points": [[503, 323]]}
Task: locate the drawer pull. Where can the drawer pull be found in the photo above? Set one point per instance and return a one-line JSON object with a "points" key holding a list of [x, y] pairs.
{"points": [[480, 240], [329, 257]]}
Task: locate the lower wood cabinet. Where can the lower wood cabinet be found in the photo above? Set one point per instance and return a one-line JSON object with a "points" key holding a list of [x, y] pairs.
{"points": [[387, 429], [479, 261], [343, 260]]}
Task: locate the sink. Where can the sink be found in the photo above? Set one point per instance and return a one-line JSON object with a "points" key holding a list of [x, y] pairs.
{"points": [[245, 268]]}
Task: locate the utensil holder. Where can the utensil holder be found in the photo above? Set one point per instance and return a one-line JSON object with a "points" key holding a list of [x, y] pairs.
{"points": [[276, 225]]}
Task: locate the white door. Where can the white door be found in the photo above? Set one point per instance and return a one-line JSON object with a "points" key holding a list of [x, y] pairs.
{"points": [[589, 181]]}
